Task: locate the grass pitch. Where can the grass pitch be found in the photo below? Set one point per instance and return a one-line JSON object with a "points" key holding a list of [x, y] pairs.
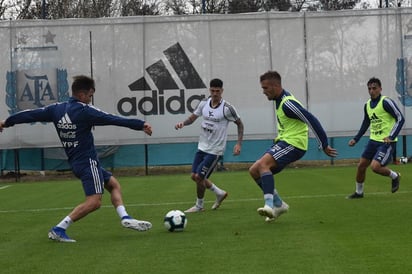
{"points": [[322, 233]]}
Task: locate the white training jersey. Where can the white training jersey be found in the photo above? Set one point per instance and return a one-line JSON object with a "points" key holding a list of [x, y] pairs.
{"points": [[213, 132]]}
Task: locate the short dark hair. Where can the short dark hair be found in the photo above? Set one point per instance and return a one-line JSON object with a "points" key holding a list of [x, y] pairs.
{"points": [[82, 83], [271, 75], [374, 80], [216, 83]]}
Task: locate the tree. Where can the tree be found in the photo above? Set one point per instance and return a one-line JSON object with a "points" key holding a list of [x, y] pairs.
{"points": [[133, 8], [338, 4], [176, 7], [3, 8], [245, 6], [242, 6], [33, 9], [215, 6], [57, 9], [18, 9], [65, 9]]}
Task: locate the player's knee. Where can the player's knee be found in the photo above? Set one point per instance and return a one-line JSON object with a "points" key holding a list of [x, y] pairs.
{"points": [[114, 187], [362, 166], [112, 184], [254, 169], [375, 166], [97, 204], [258, 168], [93, 203], [199, 179], [251, 171]]}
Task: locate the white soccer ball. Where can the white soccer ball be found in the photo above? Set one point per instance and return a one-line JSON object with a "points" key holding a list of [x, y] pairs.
{"points": [[403, 160], [175, 220]]}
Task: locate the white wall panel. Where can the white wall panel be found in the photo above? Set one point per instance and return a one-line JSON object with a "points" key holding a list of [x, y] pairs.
{"points": [[157, 68]]}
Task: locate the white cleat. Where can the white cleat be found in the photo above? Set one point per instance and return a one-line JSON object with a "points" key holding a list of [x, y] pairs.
{"points": [[277, 211], [268, 219], [280, 210], [219, 200], [266, 211], [136, 224], [194, 209]]}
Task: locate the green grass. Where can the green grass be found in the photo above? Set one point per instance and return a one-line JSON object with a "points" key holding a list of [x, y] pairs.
{"points": [[322, 233]]}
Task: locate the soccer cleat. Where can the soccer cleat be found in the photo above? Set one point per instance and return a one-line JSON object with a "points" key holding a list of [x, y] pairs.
{"points": [[219, 200], [268, 219], [395, 183], [355, 195], [277, 211], [129, 222], [266, 211], [58, 234], [194, 209]]}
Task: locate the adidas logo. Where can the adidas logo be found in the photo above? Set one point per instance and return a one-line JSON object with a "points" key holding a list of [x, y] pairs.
{"points": [[65, 123], [162, 78], [374, 117]]}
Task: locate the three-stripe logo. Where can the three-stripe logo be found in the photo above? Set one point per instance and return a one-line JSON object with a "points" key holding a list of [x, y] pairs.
{"points": [[65, 123], [165, 77]]}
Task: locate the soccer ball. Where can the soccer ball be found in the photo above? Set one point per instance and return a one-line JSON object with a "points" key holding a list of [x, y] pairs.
{"points": [[175, 220], [403, 160]]}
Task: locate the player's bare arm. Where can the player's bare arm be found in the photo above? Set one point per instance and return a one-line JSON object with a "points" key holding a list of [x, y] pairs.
{"points": [[186, 122], [238, 146]]}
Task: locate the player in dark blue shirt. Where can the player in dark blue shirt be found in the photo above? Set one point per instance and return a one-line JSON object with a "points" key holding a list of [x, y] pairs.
{"points": [[74, 121]]}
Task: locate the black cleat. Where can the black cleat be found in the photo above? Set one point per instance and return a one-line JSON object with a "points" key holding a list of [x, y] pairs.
{"points": [[395, 183], [355, 195]]}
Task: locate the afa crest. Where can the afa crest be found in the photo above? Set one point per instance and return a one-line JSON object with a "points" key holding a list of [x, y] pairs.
{"points": [[37, 78]]}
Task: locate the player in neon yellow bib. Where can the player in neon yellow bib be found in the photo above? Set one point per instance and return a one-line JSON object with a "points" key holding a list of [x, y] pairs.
{"points": [[385, 120], [290, 144]]}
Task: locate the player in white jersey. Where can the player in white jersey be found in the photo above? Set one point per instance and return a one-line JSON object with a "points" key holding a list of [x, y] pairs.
{"points": [[216, 113]]}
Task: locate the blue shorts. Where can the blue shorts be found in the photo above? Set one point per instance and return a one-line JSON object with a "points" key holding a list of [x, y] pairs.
{"points": [[379, 151], [93, 177], [204, 164], [284, 154]]}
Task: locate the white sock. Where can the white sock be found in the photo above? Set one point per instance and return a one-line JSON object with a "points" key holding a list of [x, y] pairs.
{"points": [[268, 199], [393, 174], [216, 190], [121, 210], [359, 188], [65, 223], [199, 202]]}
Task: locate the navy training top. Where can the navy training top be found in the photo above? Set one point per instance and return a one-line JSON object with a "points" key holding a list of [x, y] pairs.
{"points": [[73, 121]]}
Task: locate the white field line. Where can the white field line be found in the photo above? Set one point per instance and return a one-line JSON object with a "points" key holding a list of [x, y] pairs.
{"points": [[184, 203], [4, 187]]}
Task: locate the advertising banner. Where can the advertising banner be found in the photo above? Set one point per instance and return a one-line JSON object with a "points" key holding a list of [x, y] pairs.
{"points": [[158, 69]]}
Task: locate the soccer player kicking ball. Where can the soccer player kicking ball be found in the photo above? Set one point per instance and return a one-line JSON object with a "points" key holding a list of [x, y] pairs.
{"points": [[290, 145], [74, 121]]}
